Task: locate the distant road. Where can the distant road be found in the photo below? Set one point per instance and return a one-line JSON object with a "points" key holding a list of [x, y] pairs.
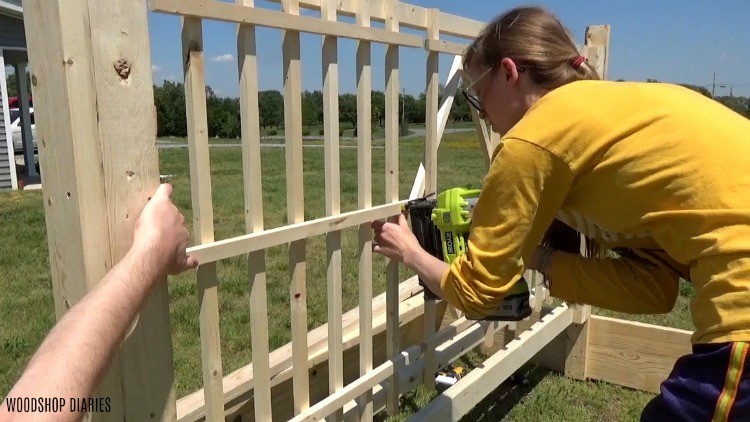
{"points": [[416, 132]]}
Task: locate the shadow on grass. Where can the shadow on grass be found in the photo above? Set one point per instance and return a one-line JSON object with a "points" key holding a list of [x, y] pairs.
{"points": [[512, 392]]}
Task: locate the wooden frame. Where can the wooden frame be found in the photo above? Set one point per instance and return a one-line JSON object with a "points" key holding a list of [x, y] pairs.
{"points": [[396, 337]]}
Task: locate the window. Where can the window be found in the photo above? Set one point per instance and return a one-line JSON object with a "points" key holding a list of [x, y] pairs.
{"points": [[32, 118]]}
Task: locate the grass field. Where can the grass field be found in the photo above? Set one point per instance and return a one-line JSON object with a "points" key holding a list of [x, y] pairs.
{"points": [[27, 313]]}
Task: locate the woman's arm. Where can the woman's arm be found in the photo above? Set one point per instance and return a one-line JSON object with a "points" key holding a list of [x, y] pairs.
{"points": [[637, 283], [523, 191]]}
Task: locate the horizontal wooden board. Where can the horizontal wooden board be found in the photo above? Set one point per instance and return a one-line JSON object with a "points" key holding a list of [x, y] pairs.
{"points": [[633, 354], [229, 12], [477, 384], [240, 245], [408, 15], [239, 384]]}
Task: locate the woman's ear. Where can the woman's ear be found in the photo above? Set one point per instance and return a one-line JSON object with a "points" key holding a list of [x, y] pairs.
{"points": [[509, 69]]}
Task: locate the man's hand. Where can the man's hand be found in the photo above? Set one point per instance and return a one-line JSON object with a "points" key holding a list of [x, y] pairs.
{"points": [[395, 240], [160, 232]]}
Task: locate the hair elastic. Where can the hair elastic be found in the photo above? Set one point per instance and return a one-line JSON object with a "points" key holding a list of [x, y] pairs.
{"points": [[577, 62]]}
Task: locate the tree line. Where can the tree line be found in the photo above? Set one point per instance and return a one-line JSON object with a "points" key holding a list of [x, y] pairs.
{"points": [[224, 112]]}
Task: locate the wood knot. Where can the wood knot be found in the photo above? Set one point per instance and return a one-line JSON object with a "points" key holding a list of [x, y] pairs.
{"points": [[122, 67]]}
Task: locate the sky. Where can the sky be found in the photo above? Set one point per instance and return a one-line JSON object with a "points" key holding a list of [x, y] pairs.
{"points": [[681, 41]]}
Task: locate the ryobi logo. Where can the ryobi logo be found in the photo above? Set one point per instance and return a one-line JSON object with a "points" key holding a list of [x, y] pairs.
{"points": [[449, 243]]}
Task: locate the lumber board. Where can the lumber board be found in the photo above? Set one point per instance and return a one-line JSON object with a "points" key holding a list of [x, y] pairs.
{"points": [[239, 245], [483, 136], [410, 332], [576, 343], [240, 383], [449, 93], [332, 200], [463, 342], [409, 15], [356, 388], [597, 48], [392, 184], [364, 200], [430, 174], [471, 389], [253, 195], [102, 125], [295, 205], [442, 46], [203, 224], [454, 77], [633, 354], [228, 12]]}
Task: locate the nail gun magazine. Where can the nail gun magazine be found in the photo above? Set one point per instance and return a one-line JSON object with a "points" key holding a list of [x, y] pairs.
{"points": [[442, 225]]}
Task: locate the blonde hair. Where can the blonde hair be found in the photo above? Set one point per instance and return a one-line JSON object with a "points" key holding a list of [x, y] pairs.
{"points": [[535, 39]]}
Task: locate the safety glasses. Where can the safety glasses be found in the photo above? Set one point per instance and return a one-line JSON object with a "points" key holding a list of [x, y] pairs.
{"points": [[473, 99]]}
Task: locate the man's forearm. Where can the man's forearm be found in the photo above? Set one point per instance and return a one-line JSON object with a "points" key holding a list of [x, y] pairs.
{"points": [[74, 357], [429, 269]]}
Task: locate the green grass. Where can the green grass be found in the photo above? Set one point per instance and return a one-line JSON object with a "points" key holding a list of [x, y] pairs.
{"points": [[27, 309]]}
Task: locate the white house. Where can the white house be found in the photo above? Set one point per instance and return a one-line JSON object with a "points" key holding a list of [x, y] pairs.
{"points": [[13, 53]]}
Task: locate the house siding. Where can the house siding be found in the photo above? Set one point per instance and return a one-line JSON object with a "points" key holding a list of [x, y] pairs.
{"points": [[6, 182]]}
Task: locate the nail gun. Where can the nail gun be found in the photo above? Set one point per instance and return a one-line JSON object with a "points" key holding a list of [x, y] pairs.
{"points": [[442, 225]]}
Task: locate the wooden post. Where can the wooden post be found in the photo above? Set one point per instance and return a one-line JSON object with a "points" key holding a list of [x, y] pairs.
{"points": [[392, 195], [203, 214], [597, 48], [333, 204], [96, 132], [364, 200], [253, 191], [430, 183], [295, 207]]}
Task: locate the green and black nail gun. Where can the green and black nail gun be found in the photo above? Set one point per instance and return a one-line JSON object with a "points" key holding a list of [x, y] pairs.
{"points": [[442, 225]]}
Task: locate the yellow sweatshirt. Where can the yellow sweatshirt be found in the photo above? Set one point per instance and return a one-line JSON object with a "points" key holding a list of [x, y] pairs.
{"points": [[654, 168]]}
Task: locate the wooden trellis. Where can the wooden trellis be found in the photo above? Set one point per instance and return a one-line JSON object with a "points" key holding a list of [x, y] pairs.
{"points": [[99, 162]]}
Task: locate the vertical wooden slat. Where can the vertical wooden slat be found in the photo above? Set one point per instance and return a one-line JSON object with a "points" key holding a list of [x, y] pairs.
{"points": [[96, 138], [597, 48], [418, 187], [483, 136], [333, 203], [253, 191], [392, 194], [203, 224], [295, 207], [364, 200], [430, 165]]}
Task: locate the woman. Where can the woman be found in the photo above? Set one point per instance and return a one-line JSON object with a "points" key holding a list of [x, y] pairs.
{"points": [[656, 173]]}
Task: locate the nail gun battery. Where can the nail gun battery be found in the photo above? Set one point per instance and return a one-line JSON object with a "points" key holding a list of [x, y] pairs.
{"points": [[420, 214]]}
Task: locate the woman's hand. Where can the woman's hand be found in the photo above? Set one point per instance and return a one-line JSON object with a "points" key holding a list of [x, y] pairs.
{"points": [[395, 240]]}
